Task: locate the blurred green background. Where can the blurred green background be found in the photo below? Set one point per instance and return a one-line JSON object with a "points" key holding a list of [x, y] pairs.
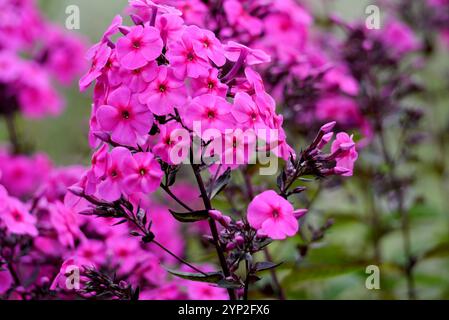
{"points": [[335, 268]]}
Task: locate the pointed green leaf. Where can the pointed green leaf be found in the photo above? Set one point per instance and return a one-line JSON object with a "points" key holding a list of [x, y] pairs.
{"points": [[190, 217]]}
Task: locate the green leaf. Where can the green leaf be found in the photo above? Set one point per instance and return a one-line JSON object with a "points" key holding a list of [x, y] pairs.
{"points": [[266, 265], [209, 277], [221, 183], [229, 284], [190, 217], [439, 251]]}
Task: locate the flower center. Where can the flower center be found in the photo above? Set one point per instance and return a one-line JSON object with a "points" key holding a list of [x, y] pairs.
{"points": [[137, 44], [143, 171], [276, 213], [125, 114], [210, 85], [162, 88], [190, 56], [211, 114], [206, 43], [17, 216]]}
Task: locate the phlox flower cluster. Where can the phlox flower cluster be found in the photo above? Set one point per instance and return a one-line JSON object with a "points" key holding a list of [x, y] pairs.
{"points": [[28, 84]]}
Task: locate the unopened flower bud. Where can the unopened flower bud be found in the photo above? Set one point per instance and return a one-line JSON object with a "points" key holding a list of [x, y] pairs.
{"points": [[225, 221], [328, 127], [136, 19], [300, 213], [230, 246], [239, 240], [77, 191], [215, 215], [124, 30], [325, 140]]}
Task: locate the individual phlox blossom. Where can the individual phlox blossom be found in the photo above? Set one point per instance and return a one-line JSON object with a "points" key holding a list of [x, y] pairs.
{"points": [[207, 45], [141, 45], [125, 252], [143, 173], [253, 56], [184, 59], [399, 38], [16, 216], [345, 150], [137, 80], [110, 187], [209, 85], [164, 94], [65, 222], [170, 27], [128, 120], [245, 111], [99, 56], [211, 112], [272, 216], [171, 143], [92, 250]]}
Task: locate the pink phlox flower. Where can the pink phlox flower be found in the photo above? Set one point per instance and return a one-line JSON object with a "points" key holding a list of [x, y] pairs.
{"points": [[110, 188], [184, 59], [140, 46], [16, 216], [99, 55], [170, 27], [127, 119], [171, 137], [209, 85], [212, 112], [347, 153], [164, 93], [254, 56], [207, 45], [272, 215], [65, 222], [143, 173]]}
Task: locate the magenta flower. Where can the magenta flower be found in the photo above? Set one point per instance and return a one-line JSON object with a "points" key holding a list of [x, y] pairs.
{"points": [[272, 215], [254, 56], [99, 55], [65, 222], [164, 93], [245, 111], [170, 27], [184, 58], [399, 38], [111, 186], [16, 217], [123, 116], [140, 46], [137, 80], [209, 85], [143, 173], [207, 45], [212, 111], [346, 153], [166, 143]]}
